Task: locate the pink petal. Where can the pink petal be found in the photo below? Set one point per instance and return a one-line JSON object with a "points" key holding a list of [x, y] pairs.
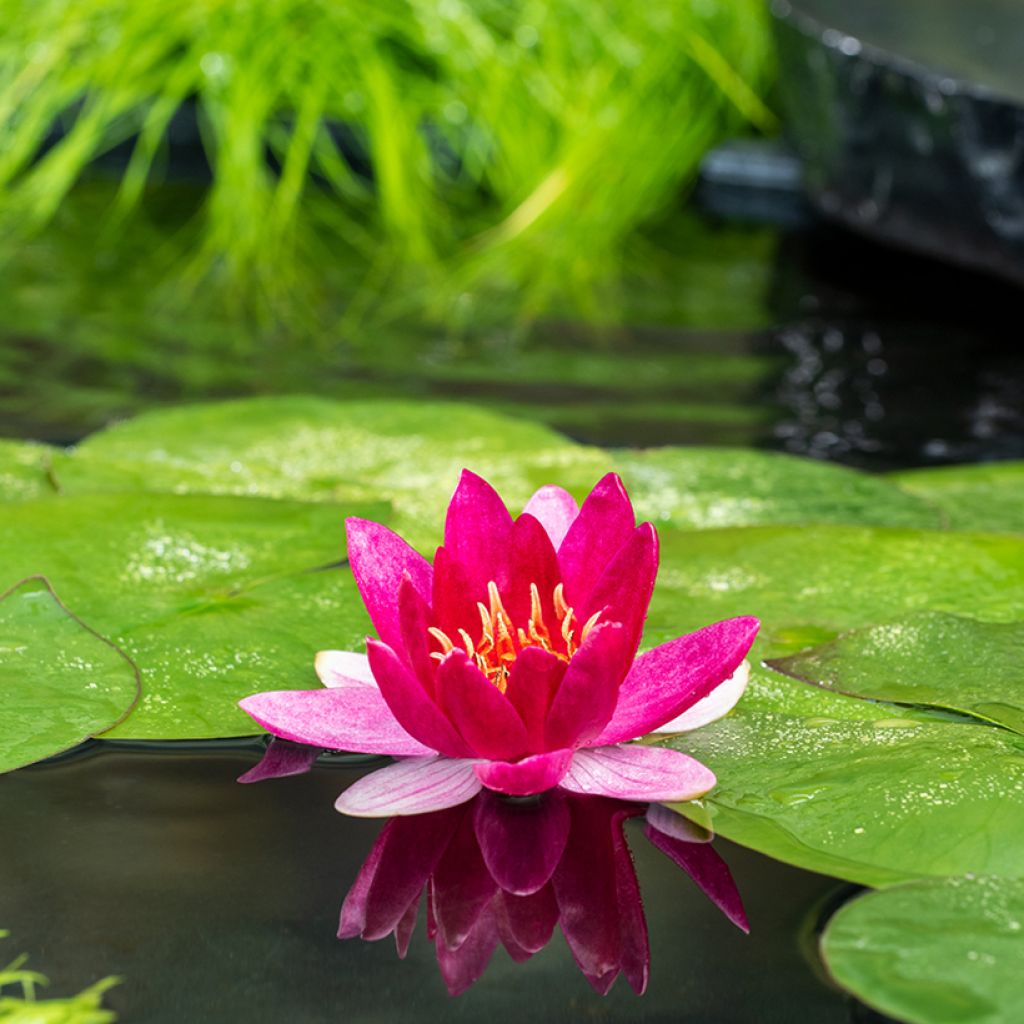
{"points": [[586, 699], [415, 619], [411, 705], [703, 864], [717, 704], [532, 560], [521, 844], [462, 886], [413, 786], [668, 680], [635, 772], [280, 759], [477, 532], [462, 967], [380, 560], [535, 774], [405, 928], [603, 525], [454, 596], [635, 955], [343, 668], [346, 718], [478, 710], [555, 509], [623, 593], [532, 684]]}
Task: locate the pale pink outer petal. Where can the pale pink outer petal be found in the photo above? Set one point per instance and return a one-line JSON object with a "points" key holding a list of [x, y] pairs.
{"points": [[665, 820], [354, 718], [416, 785], [380, 560], [635, 772], [555, 509], [535, 774], [343, 668], [717, 704], [666, 681]]}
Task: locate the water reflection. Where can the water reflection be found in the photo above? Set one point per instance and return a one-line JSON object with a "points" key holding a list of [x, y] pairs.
{"points": [[496, 871]]}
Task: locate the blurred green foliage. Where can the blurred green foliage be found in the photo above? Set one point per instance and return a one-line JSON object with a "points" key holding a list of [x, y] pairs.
{"points": [[438, 157]]}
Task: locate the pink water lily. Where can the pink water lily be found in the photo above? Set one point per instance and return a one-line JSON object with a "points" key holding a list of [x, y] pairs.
{"points": [[511, 663]]}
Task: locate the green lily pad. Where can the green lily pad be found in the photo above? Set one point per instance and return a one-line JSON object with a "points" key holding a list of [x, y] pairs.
{"points": [[929, 658], [313, 449], [948, 951], [24, 470], [701, 488], [61, 683], [983, 497], [877, 799], [198, 663], [808, 584]]}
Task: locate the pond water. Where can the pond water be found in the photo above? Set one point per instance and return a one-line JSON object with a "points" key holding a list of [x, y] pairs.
{"points": [[217, 901]]}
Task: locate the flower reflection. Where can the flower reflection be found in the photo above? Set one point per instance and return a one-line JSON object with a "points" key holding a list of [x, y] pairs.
{"points": [[498, 871]]}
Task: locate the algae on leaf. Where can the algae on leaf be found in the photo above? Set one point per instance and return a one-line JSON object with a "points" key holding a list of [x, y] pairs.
{"points": [[928, 658], [939, 951], [60, 682]]}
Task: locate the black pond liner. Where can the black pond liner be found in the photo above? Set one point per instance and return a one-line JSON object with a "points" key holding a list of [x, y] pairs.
{"points": [[909, 118], [219, 902]]}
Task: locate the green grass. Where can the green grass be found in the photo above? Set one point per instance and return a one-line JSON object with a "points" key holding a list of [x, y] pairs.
{"points": [[513, 148]]}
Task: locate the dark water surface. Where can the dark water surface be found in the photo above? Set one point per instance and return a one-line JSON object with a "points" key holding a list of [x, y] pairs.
{"points": [[219, 902]]}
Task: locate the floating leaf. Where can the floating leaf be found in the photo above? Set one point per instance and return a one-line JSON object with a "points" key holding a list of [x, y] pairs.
{"points": [[701, 488], [876, 799], [807, 584], [930, 658], [316, 450], [982, 497], [24, 470], [948, 951], [60, 682]]}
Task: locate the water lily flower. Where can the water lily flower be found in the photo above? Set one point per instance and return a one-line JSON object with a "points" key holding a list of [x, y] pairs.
{"points": [[511, 663], [499, 872]]}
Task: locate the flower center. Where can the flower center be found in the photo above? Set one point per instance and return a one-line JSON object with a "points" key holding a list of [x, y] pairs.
{"points": [[501, 640]]}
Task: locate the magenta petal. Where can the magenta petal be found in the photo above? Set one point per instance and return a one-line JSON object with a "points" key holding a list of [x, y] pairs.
{"points": [[282, 758], [482, 714], [664, 682], [603, 525], [345, 718], [405, 928], [555, 509], [635, 957], [462, 886], [380, 560], [532, 560], [535, 774], [353, 910], [631, 771], [587, 696], [415, 619], [521, 844], [462, 967], [532, 684], [412, 786], [411, 705], [477, 532], [526, 923], [703, 864]]}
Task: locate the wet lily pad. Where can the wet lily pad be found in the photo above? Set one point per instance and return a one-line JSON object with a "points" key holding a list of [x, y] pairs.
{"points": [[60, 683], [934, 952], [313, 449], [981, 497], [875, 799], [929, 658], [23, 470], [702, 488], [808, 584]]}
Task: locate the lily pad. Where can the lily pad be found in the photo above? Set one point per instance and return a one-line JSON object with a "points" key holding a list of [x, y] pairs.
{"points": [[24, 470], [702, 488], [929, 658], [982, 497], [60, 683], [313, 449], [876, 800], [948, 951], [808, 584]]}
